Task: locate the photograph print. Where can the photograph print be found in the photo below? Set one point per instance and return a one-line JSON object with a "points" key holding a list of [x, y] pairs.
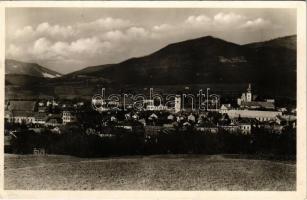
{"points": [[146, 99]]}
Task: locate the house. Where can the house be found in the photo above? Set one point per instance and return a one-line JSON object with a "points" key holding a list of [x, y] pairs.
{"points": [[277, 128], [56, 130], [113, 119], [40, 118], [180, 118], [19, 116], [191, 118], [245, 128], [153, 116], [135, 116], [143, 121], [170, 117], [80, 103], [283, 110], [68, 117], [127, 116], [232, 128], [186, 124], [20, 111], [54, 120], [224, 108], [206, 126]]}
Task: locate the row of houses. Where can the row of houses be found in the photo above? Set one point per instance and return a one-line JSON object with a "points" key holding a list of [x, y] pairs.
{"points": [[29, 112], [40, 118]]}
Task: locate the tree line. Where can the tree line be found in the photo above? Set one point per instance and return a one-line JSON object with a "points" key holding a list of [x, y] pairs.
{"points": [[75, 141]]}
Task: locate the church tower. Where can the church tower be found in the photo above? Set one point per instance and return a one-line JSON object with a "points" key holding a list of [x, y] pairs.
{"points": [[249, 93]]}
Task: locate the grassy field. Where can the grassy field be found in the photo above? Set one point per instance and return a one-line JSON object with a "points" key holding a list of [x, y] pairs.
{"points": [[165, 172]]}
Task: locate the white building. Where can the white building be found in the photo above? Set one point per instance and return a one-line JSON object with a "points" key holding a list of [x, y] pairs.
{"points": [[254, 114], [224, 108], [191, 117], [246, 128], [177, 103], [247, 101], [247, 96], [68, 117], [156, 108]]}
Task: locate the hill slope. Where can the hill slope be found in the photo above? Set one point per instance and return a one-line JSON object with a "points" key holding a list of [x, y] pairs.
{"points": [[288, 42], [14, 67]]}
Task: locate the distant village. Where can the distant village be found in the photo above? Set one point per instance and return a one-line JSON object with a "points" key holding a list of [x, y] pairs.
{"points": [[242, 118], [247, 113]]}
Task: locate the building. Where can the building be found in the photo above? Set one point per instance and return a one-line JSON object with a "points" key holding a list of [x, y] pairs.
{"points": [[68, 117], [42, 109], [268, 105], [191, 118], [21, 106], [54, 121], [18, 116], [40, 118], [20, 111], [247, 101], [245, 128], [177, 103], [253, 114], [247, 96], [156, 108], [224, 108], [231, 128], [170, 117]]}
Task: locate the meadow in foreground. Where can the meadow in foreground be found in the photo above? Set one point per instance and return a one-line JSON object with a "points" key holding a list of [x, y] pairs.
{"points": [[165, 172]]}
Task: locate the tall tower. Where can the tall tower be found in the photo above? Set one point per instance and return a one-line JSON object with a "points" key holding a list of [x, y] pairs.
{"points": [[249, 93], [177, 103]]}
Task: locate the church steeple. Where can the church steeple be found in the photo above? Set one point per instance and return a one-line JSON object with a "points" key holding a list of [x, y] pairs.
{"points": [[249, 93], [249, 89]]}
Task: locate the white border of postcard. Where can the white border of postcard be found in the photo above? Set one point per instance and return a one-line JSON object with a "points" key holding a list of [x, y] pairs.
{"points": [[299, 194]]}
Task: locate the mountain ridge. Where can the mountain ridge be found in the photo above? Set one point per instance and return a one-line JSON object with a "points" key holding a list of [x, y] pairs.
{"points": [[269, 65], [31, 69], [205, 56]]}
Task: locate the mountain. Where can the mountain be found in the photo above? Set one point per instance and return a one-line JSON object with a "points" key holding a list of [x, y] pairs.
{"points": [[13, 67], [271, 65], [201, 60]]}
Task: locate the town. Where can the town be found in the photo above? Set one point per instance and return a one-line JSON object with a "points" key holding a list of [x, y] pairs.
{"points": [[106, 118]]}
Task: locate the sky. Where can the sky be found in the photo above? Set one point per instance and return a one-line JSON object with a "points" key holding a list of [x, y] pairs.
{"points": [[69, 39]]}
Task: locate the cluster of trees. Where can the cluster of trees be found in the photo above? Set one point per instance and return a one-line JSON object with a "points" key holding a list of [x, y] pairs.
{"points": [[260, 142], [74, 141]]}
